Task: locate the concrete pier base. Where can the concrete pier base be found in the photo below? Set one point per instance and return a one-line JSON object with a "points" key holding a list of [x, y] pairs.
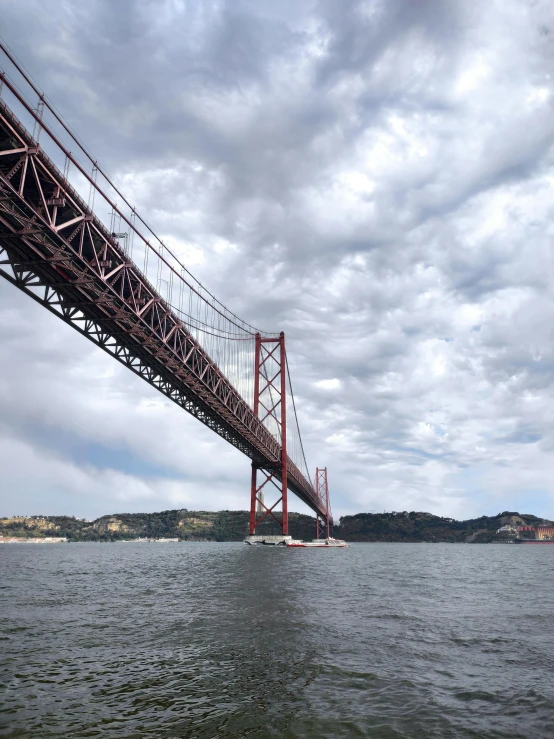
{"points": [[268, 539]]}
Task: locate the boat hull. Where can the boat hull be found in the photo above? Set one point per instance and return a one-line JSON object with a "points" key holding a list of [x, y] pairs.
{"points": [[532, 541], [318, 544]]}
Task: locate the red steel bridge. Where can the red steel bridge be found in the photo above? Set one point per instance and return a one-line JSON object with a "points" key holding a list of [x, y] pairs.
{"points": [[124, 289]]}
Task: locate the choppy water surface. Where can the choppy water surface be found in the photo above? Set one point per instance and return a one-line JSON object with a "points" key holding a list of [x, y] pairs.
{"points": [[225, 640]]}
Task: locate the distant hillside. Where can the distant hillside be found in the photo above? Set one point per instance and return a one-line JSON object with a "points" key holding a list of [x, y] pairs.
{"points": [[416, 526], [233, 526], [183, 524]]}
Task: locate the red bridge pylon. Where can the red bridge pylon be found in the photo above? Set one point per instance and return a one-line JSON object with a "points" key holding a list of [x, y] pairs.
{"points": [[270, 406], [322, 526]]}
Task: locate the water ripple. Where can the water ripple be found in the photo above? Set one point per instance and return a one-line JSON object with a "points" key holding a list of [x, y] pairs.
{"points": [[222, 640]]}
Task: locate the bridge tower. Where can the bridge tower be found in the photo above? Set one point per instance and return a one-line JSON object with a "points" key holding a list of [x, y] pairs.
{"points": [[270, 407], [322, 525]]}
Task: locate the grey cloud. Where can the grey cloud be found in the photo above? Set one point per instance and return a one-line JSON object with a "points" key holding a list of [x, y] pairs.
{"points": [[382, 174]]}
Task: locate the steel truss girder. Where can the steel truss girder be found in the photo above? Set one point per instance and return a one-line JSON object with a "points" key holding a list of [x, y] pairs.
{"points": [[54, 249], [51, 299]]}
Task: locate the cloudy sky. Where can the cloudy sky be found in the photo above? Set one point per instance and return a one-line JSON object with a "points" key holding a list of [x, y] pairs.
{"points": [[374, 178]]}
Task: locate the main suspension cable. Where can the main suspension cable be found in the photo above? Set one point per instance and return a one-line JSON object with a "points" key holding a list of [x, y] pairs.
{"points": [[296, 419], [227, 314]]}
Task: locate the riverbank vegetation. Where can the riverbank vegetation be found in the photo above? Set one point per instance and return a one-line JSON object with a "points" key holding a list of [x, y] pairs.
{"points": [[233, 526]]}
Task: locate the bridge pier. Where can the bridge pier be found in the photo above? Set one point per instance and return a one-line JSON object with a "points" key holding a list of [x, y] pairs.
{"points": [[322, 523]]}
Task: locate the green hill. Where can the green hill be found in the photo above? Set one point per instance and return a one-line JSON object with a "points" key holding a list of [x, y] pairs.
{"points": [[233, 526], [419, 526], [183, 524]]}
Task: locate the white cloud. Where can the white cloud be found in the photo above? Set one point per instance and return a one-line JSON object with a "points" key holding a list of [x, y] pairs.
{"points": [[332, 384]]}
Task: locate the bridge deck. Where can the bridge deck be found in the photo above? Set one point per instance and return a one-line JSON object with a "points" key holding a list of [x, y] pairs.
{"points": [[55, 249]]}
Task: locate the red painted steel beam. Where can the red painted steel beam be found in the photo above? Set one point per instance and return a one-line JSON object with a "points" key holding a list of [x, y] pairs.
{"points": [[264, 358], [54, 249], [322, 491]]}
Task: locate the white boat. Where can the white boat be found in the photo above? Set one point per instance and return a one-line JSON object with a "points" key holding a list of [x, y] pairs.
{"points": [[318, 544]]}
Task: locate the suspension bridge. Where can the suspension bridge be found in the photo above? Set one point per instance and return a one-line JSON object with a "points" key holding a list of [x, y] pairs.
{"points": [[125, 290]]}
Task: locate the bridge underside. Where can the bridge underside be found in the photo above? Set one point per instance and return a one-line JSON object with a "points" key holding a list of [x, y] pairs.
{"points": [[54, 249]]}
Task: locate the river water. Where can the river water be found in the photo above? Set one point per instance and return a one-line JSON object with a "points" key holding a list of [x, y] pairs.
{"points": [[224, 640]]}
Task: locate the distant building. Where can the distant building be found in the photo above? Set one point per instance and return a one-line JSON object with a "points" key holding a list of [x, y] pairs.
{"points": [[542, 531], [545, 531], [32, 540], [507, 530], [526, 532]]}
